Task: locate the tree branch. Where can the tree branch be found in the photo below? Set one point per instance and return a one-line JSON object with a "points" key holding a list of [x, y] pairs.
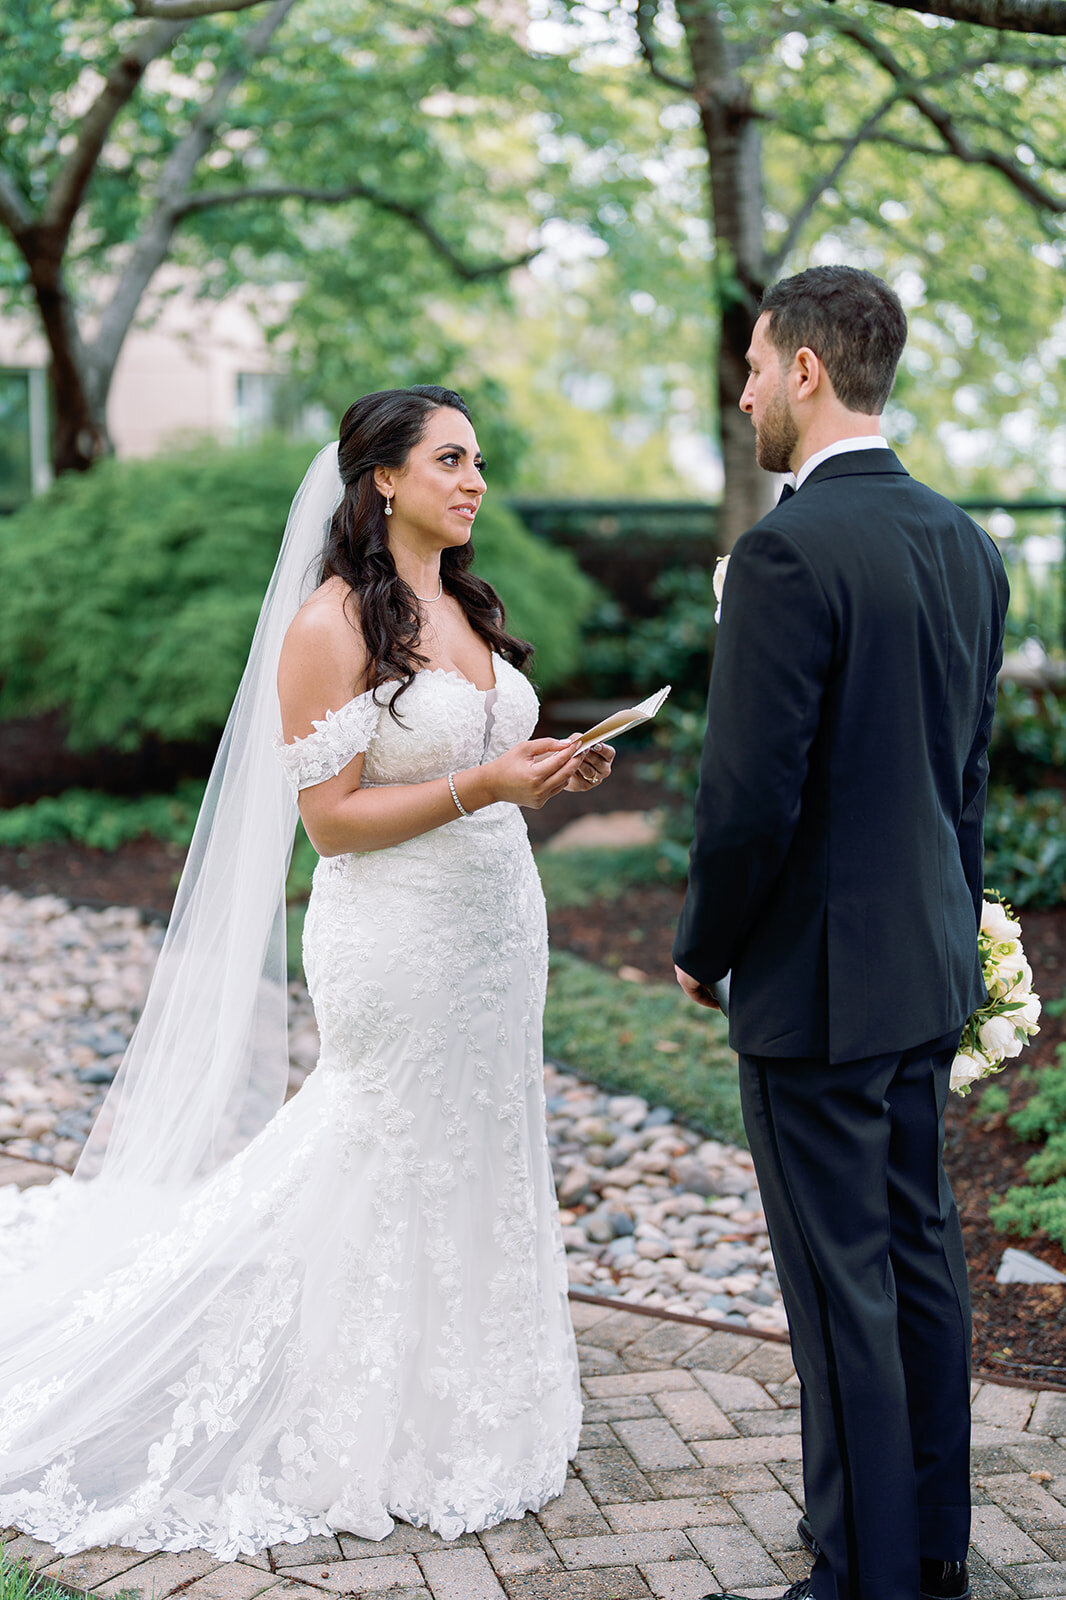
{"points": [[876, 136], [970, 155], [184, 10], [15, 213], [646, 13], [880, 136], [970, 64], [150, 250], [73, 177], [826, 181], [1009, 16], [360, 191]]}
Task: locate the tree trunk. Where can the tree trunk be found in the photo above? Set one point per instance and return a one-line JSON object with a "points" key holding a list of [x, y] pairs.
{"points": [[79, 427], [731, 137], [79, 402]]}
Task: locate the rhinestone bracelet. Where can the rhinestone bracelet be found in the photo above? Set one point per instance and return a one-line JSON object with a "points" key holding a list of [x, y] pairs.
{"points": [[463, 812]]}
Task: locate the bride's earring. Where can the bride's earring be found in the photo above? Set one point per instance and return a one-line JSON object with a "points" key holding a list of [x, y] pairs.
{"points": [[388, 505]]}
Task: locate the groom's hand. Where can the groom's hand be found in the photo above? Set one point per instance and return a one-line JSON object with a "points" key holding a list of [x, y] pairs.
{"points": [[696, 990]]}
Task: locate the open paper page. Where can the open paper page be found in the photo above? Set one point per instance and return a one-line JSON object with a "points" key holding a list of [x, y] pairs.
{"points": [[612, 726]]}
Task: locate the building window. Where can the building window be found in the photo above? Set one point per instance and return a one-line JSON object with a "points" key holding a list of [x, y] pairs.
{"points": [[24, 463], [258, 396], [270, 402]]}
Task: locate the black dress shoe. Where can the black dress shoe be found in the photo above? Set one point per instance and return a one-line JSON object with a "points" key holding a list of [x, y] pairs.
{"points": [[945, 1580], [940, 1580], [806, 1533]]}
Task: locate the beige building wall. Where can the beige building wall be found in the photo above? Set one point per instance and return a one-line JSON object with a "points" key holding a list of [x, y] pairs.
{"points": [[177, 378]]}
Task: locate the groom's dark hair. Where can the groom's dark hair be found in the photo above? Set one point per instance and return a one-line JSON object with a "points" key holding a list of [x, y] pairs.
{"points": [[852, 321]]}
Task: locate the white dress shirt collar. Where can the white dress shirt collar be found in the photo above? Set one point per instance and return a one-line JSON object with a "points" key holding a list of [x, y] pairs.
{"points": [[868, 441]]}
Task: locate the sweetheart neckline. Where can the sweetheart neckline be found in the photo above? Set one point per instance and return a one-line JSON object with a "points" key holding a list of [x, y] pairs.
{"points": [[460, 677], [423, 672]]}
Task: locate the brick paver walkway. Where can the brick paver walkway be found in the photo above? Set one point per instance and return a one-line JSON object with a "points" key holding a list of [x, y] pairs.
{"points": [[687, 1483]]}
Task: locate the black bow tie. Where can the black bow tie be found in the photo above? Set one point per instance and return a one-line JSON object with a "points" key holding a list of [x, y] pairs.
{"points": [[786, 494]]}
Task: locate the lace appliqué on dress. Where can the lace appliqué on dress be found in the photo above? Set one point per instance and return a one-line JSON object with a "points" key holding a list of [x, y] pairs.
{"points": [[337, 738]]}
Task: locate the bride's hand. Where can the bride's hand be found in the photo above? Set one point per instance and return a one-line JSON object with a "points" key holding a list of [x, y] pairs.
{"points": [[532, 772], [595, 765]]}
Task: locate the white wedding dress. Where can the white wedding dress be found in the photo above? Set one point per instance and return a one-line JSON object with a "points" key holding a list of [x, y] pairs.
{"points": [[362, 1316]]}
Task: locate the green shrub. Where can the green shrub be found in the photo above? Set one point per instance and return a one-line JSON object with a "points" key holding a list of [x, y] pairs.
{"points": [[992, 1102], [128, 595], [1040, 1205], [304, 861], [623, 655], [675, 767], [546, 595], [1029, 735], [1025, 846], [103, 821]]}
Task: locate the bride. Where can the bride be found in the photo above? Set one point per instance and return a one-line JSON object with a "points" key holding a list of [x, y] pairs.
{"points": [[244, 1322]]}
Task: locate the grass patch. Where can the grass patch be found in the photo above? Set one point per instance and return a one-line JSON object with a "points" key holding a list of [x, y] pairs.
{"points": [[613, 1032], [583, 877], [19, 1581]]}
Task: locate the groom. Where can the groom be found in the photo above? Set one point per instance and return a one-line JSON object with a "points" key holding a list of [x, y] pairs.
{"points": [[836, 869]]}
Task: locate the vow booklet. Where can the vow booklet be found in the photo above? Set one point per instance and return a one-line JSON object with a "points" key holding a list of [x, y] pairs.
{"points": [[621, 721]]}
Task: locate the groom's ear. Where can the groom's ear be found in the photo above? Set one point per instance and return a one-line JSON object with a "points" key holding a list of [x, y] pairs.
{"points": [[808, 373]]}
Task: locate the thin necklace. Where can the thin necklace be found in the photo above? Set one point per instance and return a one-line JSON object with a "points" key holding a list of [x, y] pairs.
{"points": [[428, 600]]}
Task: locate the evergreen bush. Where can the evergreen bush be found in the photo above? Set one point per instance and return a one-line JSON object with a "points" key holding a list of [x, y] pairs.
{"points": [[626, 656], [128, 594], [103, 821], [1028, 736], [1040, 1204], [1025, 845]]}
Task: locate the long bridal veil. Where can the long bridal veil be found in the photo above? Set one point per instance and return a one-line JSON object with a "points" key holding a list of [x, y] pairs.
{"points": [[206, 1068]]}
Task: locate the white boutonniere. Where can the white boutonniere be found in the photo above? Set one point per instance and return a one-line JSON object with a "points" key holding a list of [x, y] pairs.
{"points": [[1003, 1026], [718, 584]]}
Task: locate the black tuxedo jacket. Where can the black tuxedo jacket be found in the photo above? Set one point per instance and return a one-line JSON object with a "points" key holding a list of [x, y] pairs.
{"points": [[837, 861]]}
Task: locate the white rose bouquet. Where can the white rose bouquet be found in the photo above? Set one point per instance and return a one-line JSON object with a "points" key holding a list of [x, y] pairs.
{"points": [[1002, 1027], [718, 584]]}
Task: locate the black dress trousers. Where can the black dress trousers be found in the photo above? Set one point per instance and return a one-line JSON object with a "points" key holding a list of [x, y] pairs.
{"points": [[869, 1253]]}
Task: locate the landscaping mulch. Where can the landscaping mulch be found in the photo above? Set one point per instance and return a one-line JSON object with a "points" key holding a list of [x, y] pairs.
{"points": [[143, 873]]}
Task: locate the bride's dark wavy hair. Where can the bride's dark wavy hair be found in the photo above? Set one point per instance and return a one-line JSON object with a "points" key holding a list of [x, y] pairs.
{"points": [[380, 430]]}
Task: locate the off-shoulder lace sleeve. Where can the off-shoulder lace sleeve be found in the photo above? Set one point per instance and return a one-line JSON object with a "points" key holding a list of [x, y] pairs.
{"points": [[337, 738]]}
